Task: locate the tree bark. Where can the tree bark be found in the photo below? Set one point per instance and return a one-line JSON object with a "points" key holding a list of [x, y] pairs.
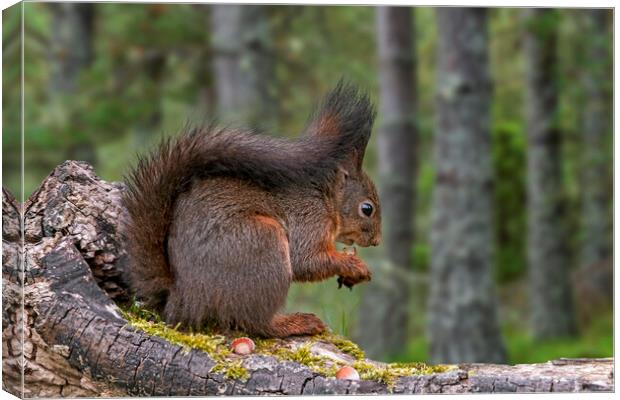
{"points": [[548, 268], [243, 65], [463, 323], [596, 170], [385, 331], [70, 339]]}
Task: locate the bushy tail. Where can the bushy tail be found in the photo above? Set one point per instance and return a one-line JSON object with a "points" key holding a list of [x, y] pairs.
{"points": [[158, 178]]}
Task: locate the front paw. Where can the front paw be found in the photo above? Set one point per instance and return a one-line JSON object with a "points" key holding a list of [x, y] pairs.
{"points": [[356, 272], [345, 282], [348, 282]]}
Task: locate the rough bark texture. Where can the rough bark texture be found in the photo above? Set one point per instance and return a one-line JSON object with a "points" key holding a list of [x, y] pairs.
{"points": [[243, 65], [463, 324], [74, 342], [548, 268], [385, 330], [597, 121]]}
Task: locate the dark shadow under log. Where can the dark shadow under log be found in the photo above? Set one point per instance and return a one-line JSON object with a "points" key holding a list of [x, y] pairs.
{"points": [[71, 339]]}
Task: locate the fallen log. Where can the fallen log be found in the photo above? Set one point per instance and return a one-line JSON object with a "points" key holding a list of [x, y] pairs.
{"points": [[64, 333]]}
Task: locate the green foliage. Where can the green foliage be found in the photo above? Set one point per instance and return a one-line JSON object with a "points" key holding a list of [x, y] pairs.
{"points": [[424, 198], [508, 145], [544, 23], [421, 256], [596, 341], [334, 306], [508, 158]]}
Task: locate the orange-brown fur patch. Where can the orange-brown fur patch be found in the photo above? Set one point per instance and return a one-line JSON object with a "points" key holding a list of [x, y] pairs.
{"points": [[273, 223], [265, 220]]}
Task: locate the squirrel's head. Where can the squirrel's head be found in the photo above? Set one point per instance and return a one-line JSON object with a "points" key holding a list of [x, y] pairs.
{"points": [[346, 116], [359, 209]]}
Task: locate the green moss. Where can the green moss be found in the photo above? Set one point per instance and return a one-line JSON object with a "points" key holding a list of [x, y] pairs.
{"points": [[328, 371], [136, 312], [303, 355], [216, 346], [418, 368], [368, 371], [389, 373], [213, 344], [344, 345], [265, 346], [232, 370]]}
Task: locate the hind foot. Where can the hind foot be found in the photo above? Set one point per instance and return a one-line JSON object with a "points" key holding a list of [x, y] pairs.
{"points": [[298, 324]]}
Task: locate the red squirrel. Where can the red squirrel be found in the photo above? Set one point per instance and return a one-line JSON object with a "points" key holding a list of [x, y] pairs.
{"points": [[222, 221]]}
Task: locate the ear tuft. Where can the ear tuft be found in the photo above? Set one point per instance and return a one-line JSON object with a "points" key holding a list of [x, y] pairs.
{"points": [[347, 113]]}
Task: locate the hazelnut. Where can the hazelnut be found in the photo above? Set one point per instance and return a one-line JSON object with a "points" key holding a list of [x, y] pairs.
{"points": [[349, 373], [242, 346]]}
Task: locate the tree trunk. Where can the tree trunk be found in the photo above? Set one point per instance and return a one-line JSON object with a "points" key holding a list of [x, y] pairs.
{"points": [[72, 44], [463, 322], [70, 339], [385, 331], [596, 169], [71, 52], [550, 295], [243, 65]]}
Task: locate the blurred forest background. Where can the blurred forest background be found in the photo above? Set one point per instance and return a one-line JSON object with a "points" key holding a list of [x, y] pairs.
{"points": [[492, 149]]}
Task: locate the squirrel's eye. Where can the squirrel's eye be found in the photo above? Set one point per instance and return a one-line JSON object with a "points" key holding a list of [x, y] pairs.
{"points": [[366, 208]]}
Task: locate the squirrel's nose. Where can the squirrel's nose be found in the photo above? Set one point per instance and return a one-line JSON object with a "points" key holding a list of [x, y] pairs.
{"points": [[376, 241]]}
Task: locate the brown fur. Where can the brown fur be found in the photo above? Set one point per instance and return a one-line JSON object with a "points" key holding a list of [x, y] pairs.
{"points": [[222, 222]]}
